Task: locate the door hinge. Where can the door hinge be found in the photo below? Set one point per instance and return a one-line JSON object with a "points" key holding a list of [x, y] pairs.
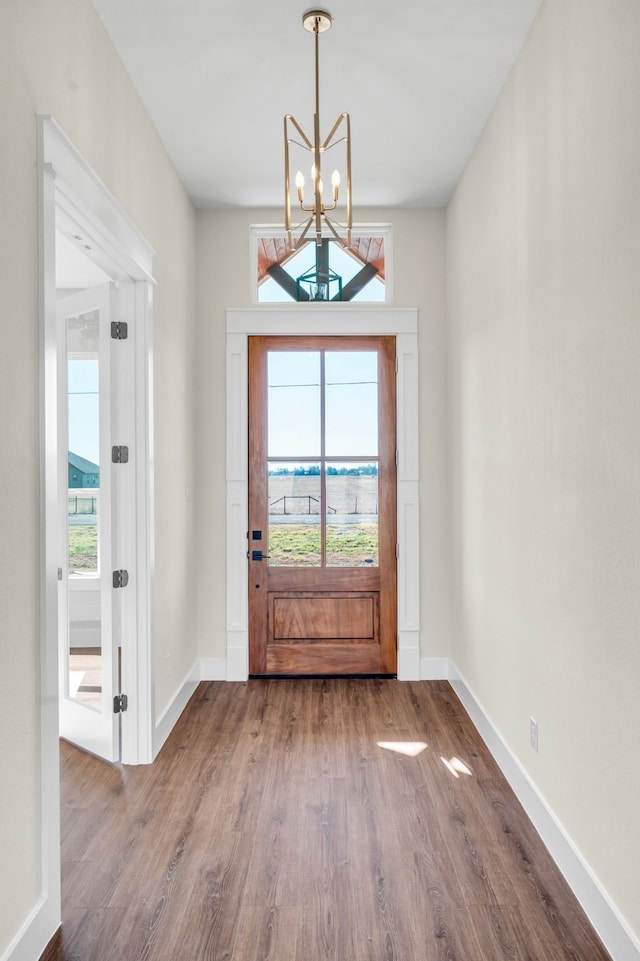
{"points": [[120, 578], [120, 703], [120, 455], [397, 457], [397, 551], [119, 329]]}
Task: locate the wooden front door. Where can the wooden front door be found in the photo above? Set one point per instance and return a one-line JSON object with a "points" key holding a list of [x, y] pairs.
{"points": [[322, 506]]}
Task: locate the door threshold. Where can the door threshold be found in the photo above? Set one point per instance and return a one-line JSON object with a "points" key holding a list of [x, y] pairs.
{"points": [[321, 677]]}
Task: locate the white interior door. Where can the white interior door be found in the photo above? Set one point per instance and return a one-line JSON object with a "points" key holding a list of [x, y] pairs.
{"points": [[89, 603]]}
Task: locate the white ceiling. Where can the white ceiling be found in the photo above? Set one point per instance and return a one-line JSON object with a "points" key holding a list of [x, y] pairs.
{"points": [[418, 77]]}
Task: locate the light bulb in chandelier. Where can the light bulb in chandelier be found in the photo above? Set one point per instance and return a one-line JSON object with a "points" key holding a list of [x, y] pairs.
{"points": [[300, 186], [335, 183]]}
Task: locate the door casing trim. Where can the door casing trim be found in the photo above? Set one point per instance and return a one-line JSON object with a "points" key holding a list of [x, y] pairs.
{"points": [[328, 320]]}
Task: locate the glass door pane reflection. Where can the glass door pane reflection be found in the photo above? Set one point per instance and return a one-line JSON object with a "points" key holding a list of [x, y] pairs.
{"points": [[295, 532], [352, 515], [83, 512]]}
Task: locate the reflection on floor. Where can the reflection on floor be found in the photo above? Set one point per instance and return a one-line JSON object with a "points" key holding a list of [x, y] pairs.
{"points": [[85, 676]]}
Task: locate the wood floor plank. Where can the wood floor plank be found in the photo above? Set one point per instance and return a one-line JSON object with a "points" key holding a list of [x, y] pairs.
{"points": [[310, 820], [267, 934]]}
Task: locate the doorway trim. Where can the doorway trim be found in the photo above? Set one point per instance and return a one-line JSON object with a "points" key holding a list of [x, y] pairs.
{"points": [[70, 193], [354, 320]]}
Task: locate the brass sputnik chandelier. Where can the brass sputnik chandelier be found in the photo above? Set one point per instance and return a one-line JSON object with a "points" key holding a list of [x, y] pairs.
{"points": [[316, 211]]}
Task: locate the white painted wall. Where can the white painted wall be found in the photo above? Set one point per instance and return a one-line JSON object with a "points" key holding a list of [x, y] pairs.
{"points": [[56, 59], [224, 280], [544, 303]]}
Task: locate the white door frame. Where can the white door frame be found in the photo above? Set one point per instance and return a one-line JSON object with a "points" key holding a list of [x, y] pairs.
{"points": [[71, 197], [330, 320]]}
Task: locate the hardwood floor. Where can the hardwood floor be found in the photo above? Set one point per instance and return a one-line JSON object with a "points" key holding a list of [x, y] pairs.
{"points": [[272, 827]]}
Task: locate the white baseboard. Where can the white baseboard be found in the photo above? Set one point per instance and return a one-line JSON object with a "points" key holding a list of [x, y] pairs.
{"points": [[179, 701], [617, 937], [35, 934]]}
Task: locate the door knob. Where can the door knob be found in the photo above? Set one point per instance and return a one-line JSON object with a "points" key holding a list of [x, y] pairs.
{"points": [[258, 556]]}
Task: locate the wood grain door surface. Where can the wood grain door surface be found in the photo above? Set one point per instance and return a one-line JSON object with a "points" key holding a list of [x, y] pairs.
{"points": [[322, 506]]}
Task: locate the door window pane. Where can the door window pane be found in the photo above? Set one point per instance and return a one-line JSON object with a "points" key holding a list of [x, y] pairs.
{"points": [[295, 533], [294, 404], [83, 518], [351, 403], [352, 515], [83, 462]]}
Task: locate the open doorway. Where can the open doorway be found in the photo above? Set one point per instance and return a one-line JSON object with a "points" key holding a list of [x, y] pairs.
{"points": [[83, 290], [96, 286], [99, 499], [74, 203], [92, 496]]}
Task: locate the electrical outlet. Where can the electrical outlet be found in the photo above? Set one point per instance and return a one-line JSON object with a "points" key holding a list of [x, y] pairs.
{"points": [[533, 733]]}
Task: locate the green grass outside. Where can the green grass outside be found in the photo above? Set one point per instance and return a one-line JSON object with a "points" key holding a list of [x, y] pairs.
{"points": [[298, 545], [83, 547]]}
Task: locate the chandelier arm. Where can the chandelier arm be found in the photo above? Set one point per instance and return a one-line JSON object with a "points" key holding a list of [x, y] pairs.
{"points": [[307, 143], [333, 230], [298, 144], [299, 225], [287, 191], [349, 202], [327, 144], [304, 232], [326, 149], [317, 179]]}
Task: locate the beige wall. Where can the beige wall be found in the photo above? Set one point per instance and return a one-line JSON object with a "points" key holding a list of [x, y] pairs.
{"points": [[224, 281], [544, 302], [56, 59]]}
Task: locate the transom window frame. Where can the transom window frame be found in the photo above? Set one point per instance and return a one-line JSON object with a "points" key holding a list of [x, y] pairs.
{"points": [[259, 232]]}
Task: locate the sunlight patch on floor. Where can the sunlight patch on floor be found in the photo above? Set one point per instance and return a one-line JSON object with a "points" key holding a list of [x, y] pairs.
{"points": [[409, 748], [456, 767]]}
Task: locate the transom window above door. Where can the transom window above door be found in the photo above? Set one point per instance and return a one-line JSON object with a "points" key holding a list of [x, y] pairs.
{"points": [[327, 273]]}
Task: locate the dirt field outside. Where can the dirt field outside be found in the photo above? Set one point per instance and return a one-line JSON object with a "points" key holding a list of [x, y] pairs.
{"points": [[300, 494]]}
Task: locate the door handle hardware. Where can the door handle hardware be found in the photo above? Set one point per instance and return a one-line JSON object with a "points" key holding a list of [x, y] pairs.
{"points": [[259, 556]]}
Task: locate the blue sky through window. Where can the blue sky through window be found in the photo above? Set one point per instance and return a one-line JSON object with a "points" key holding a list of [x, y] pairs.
{"points": [[351, 404], [84, 415]]}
